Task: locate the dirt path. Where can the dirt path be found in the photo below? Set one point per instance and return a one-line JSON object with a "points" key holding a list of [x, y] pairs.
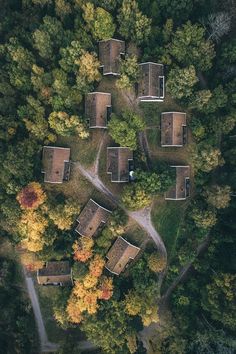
{"points": [[143, 142], [95, 167], [46, 346]]}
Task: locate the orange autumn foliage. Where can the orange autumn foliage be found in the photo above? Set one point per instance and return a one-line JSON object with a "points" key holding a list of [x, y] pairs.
{"points": [[73, 310], [31, 196], [96, 266], [106, 288], [83, 249], [90, 281], [82, 300]]}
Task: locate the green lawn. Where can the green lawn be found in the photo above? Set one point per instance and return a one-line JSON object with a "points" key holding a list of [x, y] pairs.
{"points": [[55, 333], [167, 217], [84, 151]]}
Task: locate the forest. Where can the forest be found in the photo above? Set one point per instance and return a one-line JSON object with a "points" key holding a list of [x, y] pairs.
{"points": [[49, 61]]}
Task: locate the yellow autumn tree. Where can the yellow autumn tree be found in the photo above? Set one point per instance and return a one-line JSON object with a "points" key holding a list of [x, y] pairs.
{"points": [[30, 261], [74, 310], [133, 303], [31, 196], [150, 315], [83, 249], [89, 67], [90, 281], [132, 343], [96, 266], [156, 262], [82, 300], [106, 288], [63, 215], [31, 229]]}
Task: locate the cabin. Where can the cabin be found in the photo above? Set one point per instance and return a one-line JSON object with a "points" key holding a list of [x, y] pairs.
{"points": [[98, 109], [151, 86], [119, 164], [55, 164], [55, 273], [92, 219], [173, 129], [110, 54], [181, 189], [120, 255]]}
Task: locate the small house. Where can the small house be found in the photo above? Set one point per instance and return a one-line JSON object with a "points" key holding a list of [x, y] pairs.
{"points": [[120, 255], [55, 273], [173, 129], [151, 86], [98, 109], [92, 218], [110, 53], [181, 189], [119, 163], [56, 164]]}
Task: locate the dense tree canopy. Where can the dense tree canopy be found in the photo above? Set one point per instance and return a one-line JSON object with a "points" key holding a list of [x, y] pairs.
{"points": [[124, 130]]}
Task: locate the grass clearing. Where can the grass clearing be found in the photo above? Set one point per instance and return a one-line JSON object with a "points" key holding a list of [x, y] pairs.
{"points": [[77, 187], [135, 234], [84, 151], [167, 217], [47, 295], [118, 100]]}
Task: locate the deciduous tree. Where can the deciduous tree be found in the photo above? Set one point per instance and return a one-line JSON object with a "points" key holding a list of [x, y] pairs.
{"points": [[133, 24], [83, 249], [219, 300], [99, 21], [124, 129], [129, 72], [180, 82], [218, 196], [134, 197], [206, 158], [66, 125], [204, 219], [32, 228], [31, 196], [63, 215], [156, 262], [189, 47]]}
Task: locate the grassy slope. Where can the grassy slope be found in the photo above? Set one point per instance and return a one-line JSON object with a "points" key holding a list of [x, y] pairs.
{"points": [[167, 217]]}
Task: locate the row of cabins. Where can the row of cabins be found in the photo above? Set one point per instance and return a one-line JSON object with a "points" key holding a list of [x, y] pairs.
{"points": [[119, 166], [89, 223]]}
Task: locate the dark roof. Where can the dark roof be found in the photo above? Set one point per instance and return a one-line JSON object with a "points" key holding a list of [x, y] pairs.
{"points": [[118, 163], [109, 55], [120, 254], [149, 87], [180, 190], [55, 272], [91, 218], [172, 131], [96, 104], [54, 163]]}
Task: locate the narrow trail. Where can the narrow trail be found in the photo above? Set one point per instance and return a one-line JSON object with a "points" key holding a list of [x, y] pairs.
{"points": [[96, 162], [143, 142], [184, 271], [46, 346]]}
